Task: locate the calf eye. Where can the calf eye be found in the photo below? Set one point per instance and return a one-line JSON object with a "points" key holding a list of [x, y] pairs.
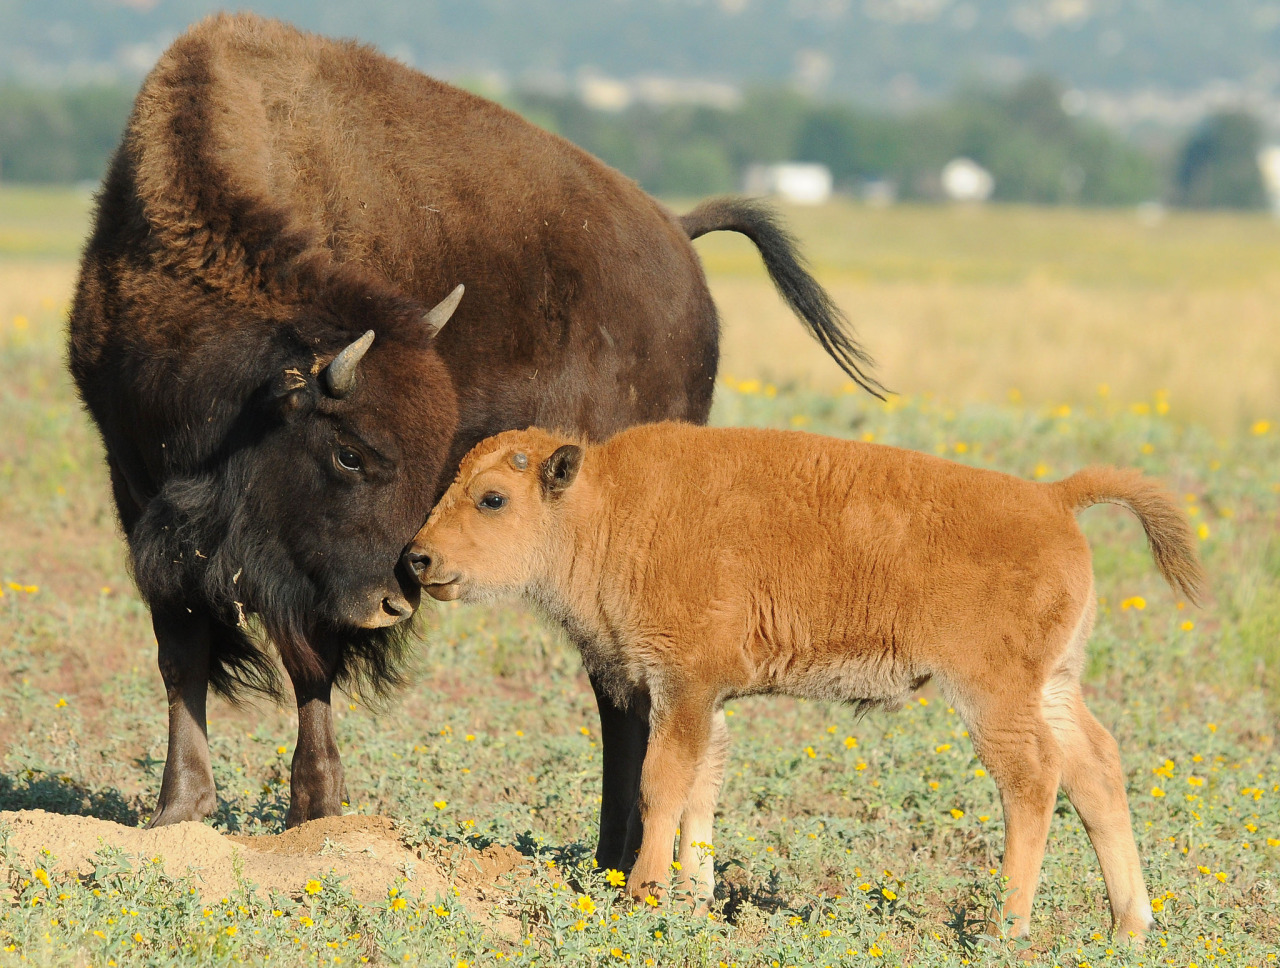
{"points": [[493, 501], [349, 460]]}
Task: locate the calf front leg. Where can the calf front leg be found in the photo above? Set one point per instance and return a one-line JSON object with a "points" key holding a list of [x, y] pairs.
{"points": [[697, 857], [183, 639], [317, 784], [680, 732]]}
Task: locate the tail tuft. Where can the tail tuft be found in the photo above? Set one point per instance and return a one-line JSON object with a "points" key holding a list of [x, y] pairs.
{"points": [[1173, 543], [807, 299]]}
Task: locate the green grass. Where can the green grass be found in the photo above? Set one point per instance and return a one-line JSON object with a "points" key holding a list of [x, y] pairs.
{"points": [[46, 223], [829, 851]]}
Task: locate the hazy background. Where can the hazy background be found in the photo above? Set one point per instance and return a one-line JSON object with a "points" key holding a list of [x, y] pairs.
{"points": [[1096, 102], [1113, 300]]}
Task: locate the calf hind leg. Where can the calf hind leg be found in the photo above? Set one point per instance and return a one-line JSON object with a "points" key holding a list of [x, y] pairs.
{"points": [[1094, 781], [1020, 752]]}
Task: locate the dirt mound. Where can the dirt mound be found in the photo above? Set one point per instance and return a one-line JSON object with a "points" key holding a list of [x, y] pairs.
{"points": [[366, 852]]}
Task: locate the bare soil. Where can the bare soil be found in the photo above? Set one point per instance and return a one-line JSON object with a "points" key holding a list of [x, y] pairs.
{"points": [[367, 853]]}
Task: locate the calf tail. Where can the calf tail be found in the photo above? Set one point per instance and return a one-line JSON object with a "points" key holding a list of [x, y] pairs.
{"points": [[1173, 544], [807, 299]]}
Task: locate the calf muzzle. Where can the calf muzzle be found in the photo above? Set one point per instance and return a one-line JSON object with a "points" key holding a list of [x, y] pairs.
{"points": [[417, 562], [435, 581]]}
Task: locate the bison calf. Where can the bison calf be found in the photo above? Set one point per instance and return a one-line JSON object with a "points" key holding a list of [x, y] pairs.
{"points": [[692, 565]]}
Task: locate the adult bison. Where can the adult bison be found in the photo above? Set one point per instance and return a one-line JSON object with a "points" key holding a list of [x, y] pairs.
{"points": [[253, 332]]}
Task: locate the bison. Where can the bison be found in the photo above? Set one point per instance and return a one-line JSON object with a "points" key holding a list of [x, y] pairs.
{"points": [[259, 331], [692, 565]]}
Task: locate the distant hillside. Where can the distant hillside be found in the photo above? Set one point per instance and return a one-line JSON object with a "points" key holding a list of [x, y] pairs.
{"points": [[1129, 61]]}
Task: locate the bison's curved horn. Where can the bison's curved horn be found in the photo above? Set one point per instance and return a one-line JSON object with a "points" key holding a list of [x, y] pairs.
{"points": [[438, 316], [340, 375]]}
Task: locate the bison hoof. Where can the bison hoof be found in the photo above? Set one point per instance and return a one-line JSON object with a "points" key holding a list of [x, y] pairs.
{"points": [[179, 809], [303, 809]]}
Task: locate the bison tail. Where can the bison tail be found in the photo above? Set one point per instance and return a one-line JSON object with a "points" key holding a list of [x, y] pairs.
{"points": [[820, 315], [1173, 544]]}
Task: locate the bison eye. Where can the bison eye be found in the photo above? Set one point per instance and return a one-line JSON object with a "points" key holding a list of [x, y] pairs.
{"points": [[349, 460], [493, 501]]}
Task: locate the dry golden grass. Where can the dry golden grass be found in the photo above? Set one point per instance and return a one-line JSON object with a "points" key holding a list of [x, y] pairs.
{"points": [[1053, 305], [29, 291], [965, 304]]}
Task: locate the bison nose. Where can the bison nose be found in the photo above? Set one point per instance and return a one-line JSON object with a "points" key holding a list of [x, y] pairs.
{"points": [[419, 562], [397, 607]]}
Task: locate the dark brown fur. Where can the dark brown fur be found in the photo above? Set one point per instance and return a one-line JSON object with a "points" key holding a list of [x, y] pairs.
{"points": [[276, 195]]}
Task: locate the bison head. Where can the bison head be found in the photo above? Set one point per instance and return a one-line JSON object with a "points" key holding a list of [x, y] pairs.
{"points": [[326, 468]]}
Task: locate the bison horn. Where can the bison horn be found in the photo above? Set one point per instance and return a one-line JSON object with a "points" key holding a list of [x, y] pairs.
{"points": [[340, 375], [437, 317]]}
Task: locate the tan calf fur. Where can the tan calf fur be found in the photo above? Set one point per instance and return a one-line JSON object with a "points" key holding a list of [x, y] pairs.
{"points": [[691, 565]]}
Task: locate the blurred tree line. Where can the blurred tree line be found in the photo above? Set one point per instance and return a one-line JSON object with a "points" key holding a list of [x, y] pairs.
{"points": [[60, 135], [1035, 149], [1023, 136]]}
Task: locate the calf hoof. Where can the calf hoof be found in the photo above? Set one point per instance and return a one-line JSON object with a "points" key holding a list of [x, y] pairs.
{"points": [[1133, 926], [190, 805], [645, 892], [1001, 929]]}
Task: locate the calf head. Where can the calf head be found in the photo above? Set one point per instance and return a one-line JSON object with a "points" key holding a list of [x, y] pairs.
{"points": [[496, 526]]}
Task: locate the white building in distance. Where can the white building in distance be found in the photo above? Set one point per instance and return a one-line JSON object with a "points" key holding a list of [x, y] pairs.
{"points": [[964, 180], [803, 183], [1269, 164]]}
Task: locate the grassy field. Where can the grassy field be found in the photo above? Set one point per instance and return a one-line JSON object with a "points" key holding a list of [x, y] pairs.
{"points": [[840, 841]]}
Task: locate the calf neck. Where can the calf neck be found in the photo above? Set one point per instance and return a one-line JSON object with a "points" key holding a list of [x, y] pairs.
{"points": [[692, 565]]}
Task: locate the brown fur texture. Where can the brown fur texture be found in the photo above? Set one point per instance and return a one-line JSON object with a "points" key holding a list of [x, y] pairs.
{"points": [[691, 565], [277, 195]]}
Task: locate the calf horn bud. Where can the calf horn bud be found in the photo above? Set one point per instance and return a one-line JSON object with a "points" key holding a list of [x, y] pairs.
{"points": [[340, 375], [439, 315]]}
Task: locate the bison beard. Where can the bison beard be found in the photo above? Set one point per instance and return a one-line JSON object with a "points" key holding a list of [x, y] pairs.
{"points": [[277, 197]]}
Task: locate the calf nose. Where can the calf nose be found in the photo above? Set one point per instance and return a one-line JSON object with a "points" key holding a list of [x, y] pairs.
{"points": [[418, 562]]}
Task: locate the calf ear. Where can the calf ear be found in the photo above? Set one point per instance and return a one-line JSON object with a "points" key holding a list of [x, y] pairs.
{"points": [[559, 470]]}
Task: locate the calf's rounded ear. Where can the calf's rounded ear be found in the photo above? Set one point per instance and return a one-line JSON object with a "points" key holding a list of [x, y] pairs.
{"points": [[559, 470]]}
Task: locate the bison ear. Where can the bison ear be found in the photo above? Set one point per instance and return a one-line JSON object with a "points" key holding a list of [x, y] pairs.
{"points": [[559, 470], [292, 393], [435, 319]]}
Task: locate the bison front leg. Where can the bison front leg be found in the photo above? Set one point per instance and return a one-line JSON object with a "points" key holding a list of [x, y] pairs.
{"points": [[317, 785], [183, 638], [624, 734]]}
